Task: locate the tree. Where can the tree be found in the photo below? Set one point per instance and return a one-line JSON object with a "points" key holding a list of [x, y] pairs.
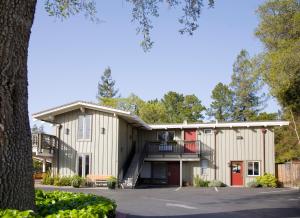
{"points": [[16, 18], [279, 31], [265, 116], [245, 85], [221, 107], [106, 88], [180, 108], [153, 112]]}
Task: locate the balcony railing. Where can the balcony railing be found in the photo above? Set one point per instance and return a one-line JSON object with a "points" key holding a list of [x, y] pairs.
{"points": [[178, 148], [44, 144]]}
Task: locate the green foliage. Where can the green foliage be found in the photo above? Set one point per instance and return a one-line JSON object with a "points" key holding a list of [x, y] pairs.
{"points": [[179, 108], [279, 31], [112, 182], [246, 85], [221, 107], [37, 165], [153, 112], [267, 180], [106, 88], [198, 182], [65, 204], [287, 147], [47, 179], [77, 181], [264, 116], [252, 184], [8, 213], [216, 183]]}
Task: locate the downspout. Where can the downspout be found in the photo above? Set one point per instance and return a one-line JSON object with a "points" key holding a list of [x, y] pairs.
{"points": [[215, 156], [264, 131], [59, 126]]}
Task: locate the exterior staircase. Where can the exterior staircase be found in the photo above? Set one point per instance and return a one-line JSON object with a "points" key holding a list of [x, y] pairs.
{"points": [[133, 172]]}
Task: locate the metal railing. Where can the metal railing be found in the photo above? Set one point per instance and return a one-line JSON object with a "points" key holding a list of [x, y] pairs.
{"points": [[42, 141], [178, 148]]}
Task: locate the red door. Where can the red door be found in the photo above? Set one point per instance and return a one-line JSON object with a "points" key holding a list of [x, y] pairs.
{"points": [[190, 141], [237, 173], [173, 173]]}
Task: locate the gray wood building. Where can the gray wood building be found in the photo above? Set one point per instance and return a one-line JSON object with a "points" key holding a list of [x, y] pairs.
{"points": [[89, 139]]}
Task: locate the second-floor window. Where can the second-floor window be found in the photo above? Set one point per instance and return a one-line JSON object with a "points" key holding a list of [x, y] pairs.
{"points": [[84, 127], [165, 136]]}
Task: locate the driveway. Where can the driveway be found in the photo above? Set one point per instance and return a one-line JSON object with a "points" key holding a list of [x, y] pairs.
{"points": [[201, 202]]}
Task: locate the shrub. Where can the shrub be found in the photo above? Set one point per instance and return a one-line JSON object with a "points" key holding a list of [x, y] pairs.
{"points": [[198, 182], [252, 184], [65, 204], [77, 181], [56, 180], [47, 179], [267, 180], [111, 182], [216, 183], [65, 181]]}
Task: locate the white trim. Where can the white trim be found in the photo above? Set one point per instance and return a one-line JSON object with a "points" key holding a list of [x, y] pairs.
{"points": [[83, 139], [44, 115], [259, 170], [220, 125]]}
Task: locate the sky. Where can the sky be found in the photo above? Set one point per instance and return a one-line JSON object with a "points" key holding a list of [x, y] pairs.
{"points": [[67, 58]]}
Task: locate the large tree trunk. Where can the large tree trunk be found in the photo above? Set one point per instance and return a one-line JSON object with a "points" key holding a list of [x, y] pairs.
{"points": [[16, 183]]}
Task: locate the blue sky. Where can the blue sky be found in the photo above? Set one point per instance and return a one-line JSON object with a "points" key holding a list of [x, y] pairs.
{"points": [[66, 59]]}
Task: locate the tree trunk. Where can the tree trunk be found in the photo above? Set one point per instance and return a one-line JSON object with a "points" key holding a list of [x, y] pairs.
{"points": [[16, 182]]}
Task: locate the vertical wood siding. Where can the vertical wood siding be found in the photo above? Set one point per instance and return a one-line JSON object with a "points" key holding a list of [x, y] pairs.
{"points": [[229, 148], [103, 148]]}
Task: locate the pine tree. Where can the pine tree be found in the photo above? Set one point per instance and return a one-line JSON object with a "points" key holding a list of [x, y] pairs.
{"points": [[246, 85], [221, 107], [106, 87]]}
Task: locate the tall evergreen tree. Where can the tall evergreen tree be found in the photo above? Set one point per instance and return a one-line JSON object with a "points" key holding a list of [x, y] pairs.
{"points": [[246, 85], [106, 87], [221, 108]]}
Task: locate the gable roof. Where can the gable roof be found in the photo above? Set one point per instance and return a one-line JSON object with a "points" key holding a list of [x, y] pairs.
{"points": [[48, 115]]}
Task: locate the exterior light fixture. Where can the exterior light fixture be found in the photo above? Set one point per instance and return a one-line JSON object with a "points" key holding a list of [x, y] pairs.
{"points": [[102, 130]]}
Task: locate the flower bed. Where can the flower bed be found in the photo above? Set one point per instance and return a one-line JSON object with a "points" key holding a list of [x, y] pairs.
{"points": [[66, 204]]}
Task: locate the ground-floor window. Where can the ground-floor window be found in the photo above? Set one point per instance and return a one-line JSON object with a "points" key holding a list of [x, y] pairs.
{"points": [[253, 168], [83, 164]]}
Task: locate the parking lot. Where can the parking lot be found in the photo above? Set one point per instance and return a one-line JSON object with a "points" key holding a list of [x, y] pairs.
{"points": [[201, 202]]}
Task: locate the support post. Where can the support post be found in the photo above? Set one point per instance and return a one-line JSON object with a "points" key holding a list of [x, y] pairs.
{"points": [[180, 181], [44, 165]]}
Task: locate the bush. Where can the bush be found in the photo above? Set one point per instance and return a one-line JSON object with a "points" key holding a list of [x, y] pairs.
{"points": [[65, 181], [216, 183], [66, 204], [198, 182], [111, 182], [267, 180], [252, 184], [77, 181], [47, 179]]}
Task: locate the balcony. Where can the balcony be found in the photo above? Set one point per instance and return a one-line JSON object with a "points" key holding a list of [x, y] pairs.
{"points": [[44, 145], [178, 149]]}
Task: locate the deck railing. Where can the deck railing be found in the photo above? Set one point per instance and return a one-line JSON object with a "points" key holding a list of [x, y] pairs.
{"points": [[42, 142], [177, 148]]}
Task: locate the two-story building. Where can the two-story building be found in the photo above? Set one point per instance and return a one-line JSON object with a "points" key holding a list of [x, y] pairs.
{"points": [[89, 139]]}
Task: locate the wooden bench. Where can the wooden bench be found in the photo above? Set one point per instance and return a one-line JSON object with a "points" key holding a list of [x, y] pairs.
{"points": [[97, 180]]}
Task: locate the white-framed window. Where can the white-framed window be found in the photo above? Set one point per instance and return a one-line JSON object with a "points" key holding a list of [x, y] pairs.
{"points": [[84, 131], [207, 131], [83, 164], [253, 168], [165, 136]]}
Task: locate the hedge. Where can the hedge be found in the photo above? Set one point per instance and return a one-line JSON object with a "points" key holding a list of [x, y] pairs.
{"points": [[65, 204]]}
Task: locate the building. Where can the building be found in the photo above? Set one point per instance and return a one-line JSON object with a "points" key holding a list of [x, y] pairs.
{"points": [[89, 139]]}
